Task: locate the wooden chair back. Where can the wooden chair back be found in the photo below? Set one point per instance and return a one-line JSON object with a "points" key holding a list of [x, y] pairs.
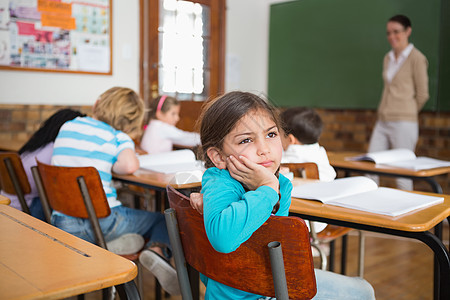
{"points": [[13, 179], [248, 268], [78, 192], [308, 170], [63, 192]]}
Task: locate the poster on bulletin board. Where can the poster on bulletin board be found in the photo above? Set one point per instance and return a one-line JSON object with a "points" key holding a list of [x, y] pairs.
{"points": [[56, 35]]}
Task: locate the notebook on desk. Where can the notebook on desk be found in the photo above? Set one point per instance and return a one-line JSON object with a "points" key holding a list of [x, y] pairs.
{"points": [[362, 193], [181, 163], [171, 162], [402, 158]]}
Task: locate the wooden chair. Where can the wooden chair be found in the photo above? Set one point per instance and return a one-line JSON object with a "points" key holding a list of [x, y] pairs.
{"points": [[78, 192], [249, 267], [331, 232], [13, 179]]}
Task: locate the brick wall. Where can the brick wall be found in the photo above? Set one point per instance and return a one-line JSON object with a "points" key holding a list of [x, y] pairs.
{"points": [[350, 130], [345, 130], [18, 121]]}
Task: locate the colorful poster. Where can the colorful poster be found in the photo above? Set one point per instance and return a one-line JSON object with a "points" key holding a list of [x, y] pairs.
{"points": [[56, 35]]}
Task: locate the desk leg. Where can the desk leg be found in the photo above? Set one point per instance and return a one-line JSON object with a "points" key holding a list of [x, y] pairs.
{"points": [[438, 234], [159, 198], [442, 257], [128, 291], [434, 185], [442, 282], [448, 221]]}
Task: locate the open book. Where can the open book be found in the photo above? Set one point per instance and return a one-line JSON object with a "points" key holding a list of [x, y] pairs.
{"points": [[402, 158], [362, 193], [171, 162]]}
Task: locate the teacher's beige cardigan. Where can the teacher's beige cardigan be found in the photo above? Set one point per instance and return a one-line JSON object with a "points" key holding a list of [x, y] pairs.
{"points": [[406, 94]]}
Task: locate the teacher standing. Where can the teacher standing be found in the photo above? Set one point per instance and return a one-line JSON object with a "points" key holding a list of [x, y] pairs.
{"points": [[404, 94]]}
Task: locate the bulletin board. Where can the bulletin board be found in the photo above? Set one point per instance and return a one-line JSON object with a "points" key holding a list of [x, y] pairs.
{"points": [[56, 36]]}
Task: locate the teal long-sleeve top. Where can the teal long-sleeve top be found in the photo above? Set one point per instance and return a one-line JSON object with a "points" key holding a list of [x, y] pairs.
{"points": [[231, 215]]}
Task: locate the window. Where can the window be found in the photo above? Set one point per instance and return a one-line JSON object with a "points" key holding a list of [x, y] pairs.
{"points": [[182, 53]]}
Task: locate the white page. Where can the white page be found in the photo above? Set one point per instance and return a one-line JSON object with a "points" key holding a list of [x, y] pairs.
{"points": [[93, 58], [383, 157], [326, 191], [166, 158], [187, 177], [421, 163], [387, 201], [178, 167]]}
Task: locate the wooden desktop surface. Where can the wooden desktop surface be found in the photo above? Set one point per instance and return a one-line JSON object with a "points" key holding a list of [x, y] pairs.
{"points": [[338, 159], [150, 179], [414, 221], [40, 261], [4, 200]]}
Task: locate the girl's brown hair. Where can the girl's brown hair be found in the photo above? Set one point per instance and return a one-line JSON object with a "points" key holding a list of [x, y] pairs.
{"points": [[220, 115], [122, 109], [165, 106]]}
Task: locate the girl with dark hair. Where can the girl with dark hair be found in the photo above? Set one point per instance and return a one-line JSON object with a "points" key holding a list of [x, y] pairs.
{"points": [[404, 94], [40, 146], [49, 130], [242, 187]]}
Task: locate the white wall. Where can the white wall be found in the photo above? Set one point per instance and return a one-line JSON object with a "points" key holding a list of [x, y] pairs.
{"points": [[246, 48], [247, 45]]}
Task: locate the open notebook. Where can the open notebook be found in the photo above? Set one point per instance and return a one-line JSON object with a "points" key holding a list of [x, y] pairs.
{"points": [[362, 193], [182, 163], [402, 158]]}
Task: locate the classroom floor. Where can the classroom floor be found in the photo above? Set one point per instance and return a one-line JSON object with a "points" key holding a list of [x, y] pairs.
{"points": [[398, 268]]}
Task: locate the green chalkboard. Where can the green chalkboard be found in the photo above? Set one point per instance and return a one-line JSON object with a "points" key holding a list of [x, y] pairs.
{"points": [[329, 53]]}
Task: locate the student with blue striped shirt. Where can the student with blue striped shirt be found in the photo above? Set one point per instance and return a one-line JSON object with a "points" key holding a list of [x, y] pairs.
{"points": [[104, 141]]}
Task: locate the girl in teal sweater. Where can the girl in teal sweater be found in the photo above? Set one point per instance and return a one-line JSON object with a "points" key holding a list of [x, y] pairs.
{"points": [[242, 187]]}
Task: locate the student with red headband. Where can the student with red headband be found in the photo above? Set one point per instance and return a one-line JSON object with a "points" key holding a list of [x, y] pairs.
{"points": [[161, 133]]}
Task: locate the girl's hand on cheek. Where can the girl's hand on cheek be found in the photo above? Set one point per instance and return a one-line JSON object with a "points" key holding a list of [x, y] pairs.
{"points": [[250, 173]]}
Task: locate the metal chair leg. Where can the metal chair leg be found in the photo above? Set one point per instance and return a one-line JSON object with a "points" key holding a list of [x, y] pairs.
{"points": [[278, 272], [177, 248], [361, 254], [344, 254]]}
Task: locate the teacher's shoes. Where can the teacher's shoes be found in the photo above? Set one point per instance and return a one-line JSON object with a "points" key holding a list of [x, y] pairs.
{"points": [[162, 270]]}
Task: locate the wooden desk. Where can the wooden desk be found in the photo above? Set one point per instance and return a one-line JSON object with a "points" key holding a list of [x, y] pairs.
{"points": [[414, 225], [153, 180], [4, 200], [339, 162], [40, 261], [11, 146]]}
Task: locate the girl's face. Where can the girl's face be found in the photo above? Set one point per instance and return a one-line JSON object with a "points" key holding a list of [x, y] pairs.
{"points": [[397, 36], [256, 137], [172, 116]]}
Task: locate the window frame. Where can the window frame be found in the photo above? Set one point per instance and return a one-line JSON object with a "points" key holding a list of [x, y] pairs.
{"points": [[149, 48]]}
